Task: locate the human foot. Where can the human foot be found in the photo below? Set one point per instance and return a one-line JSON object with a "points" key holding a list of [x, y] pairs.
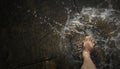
{"points": [[88, 45]]}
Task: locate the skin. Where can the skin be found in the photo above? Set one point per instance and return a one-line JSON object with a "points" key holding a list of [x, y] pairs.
{"points": [[88, 47]]}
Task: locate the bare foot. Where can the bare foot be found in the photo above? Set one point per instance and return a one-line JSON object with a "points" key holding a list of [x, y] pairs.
{"points": [[88, 45]]}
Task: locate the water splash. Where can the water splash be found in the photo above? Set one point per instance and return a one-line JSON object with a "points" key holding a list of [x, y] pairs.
{"points": [[102, 24]]}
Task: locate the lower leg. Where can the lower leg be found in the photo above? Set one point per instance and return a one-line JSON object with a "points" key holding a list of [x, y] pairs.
{"points": [[88, 46]]}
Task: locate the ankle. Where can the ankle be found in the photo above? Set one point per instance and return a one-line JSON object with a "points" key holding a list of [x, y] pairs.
{"points": [[86, 54]]}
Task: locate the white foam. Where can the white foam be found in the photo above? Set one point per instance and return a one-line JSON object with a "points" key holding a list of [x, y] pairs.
{"points": [[91, 13]]}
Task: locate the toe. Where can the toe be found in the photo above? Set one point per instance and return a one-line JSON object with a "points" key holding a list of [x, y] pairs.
{"points": [[87, 38]]}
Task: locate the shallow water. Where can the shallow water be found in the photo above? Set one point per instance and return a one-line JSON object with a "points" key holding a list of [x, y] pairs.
{"points": [[103, 25], [44, 34]]}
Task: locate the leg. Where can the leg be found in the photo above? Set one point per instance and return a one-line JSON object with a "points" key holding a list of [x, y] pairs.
{"points": [[88, 46]]}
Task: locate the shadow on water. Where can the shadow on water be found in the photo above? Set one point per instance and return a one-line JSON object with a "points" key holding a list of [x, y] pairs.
{"points": [[45, 34]]}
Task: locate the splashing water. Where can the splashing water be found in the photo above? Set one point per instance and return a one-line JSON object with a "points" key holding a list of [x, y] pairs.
{"points": [[103, 25]]}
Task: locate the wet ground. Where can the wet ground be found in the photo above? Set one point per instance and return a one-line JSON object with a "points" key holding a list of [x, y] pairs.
{"points": [[48, 34]]}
